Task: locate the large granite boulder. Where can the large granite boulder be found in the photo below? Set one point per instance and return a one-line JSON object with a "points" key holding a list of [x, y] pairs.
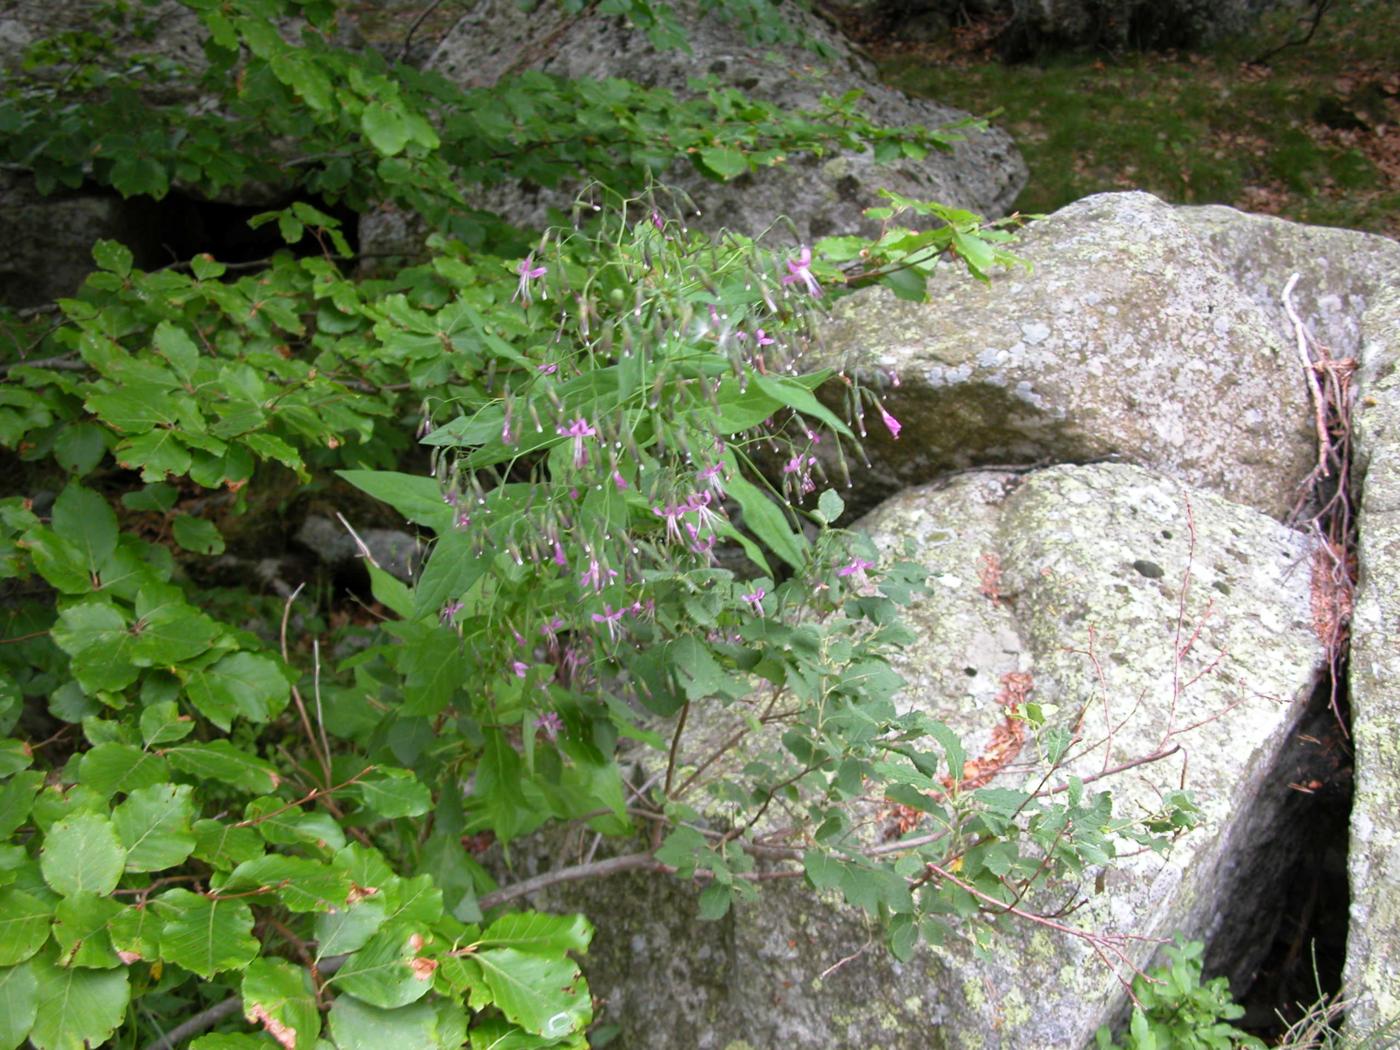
{"points": [[820, 195], [1058, 576], [1372, 977], [1130, 339]]}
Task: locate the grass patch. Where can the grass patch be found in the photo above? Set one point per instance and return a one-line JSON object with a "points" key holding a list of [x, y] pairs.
{"points": [[1313, 136]]}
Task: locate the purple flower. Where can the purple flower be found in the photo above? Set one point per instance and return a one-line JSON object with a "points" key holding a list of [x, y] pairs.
{"points": [[799, 270], [528, 271], [463, 519], [713, 477], [619, 480], [857, 565], [891, 423], [559, 558], [449, 612], [610, 616], [594, 575], [521, 668], [578, 430], [756, 600], [548, 370], [671, 513], [549, 724]]}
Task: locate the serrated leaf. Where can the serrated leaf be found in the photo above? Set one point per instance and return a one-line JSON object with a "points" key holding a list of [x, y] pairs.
{"points": [[175, 345], [538, 933], [225, 846], [162, 723], [206, 936], [220, 760], [110, 768], [154, 825], [80, 931], [278, 996], [243, 683], [301, 885], [544, 996], [197, 534], [348, 929], [78, 1008], [390, 793], [359, 1026], [383, 974], [24, 925], [19, 1004], [82, 854]]}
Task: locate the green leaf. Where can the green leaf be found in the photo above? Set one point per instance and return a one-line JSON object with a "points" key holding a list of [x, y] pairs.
{"points": [[24, 925], [78, 1008], [830, 506], [544, 996], [348, 929], [795, 395], [453, 568], [177, 348], [19, 1004], [358, 1026], [154, 825], [386, 127], [541, 934], [206, 936], [168, 629], [243, 683], [110, 768], [302, 885], [419, 499], [225, 846], [80, 930], [726, 163], [162, 723], [82, 854], [767, 522], [278, 996], [823, 872], [112, 256], [95, 635], [197, 535], [79, 447], [220, 760], [392, 793], [14, 756], [17, 799], [85, 519], [714, 901], [383, 972]]}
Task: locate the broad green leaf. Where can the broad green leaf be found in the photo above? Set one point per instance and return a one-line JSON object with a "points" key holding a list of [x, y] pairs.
{"points": [[544, 996], [301, 885], [158, 453], [80, 931], [285, 826], [243, 683], [135, 934], [162, 723], [110, 768], [726, 163], [112, 256], [78, 1008], [391, 793], [139, 407], [206, 936], [197, 534], [225, 846], [348, 929], [795, 395], [24, 925], [831, 506], [17, 799], [220, 760], [154, 825], [453, 568], [168, 629], [177, 348], [768, 523], [390, 591], [431, 663], [387, 972], [714, 902], [19, 1004], [95, 635], [14, 756], [61, 563], [538, 933], [79, 447], [419, 499], [278, 996], [823, 872], [359, 1026], [386, 127], [82, 854]]}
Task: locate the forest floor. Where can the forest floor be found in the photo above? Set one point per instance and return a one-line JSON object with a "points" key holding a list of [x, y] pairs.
{"points": [[1312, 134]]}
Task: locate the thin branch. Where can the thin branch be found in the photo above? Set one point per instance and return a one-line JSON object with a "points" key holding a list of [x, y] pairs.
{"points": [[408, 37], [598, 869]]}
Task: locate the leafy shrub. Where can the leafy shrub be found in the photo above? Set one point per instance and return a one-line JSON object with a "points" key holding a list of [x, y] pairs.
{"points": [[203, 802]]}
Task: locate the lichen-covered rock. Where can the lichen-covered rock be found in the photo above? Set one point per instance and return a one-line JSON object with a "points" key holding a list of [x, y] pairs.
{"points": [[1129, 340], [1372, 979], [821, 196], [1340, 272], [1088, 580]]}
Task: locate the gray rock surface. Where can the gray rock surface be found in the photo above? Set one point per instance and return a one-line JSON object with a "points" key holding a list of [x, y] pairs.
{"points": [[1372, 978], [1025, 570], [1130, 339], [395, 552], [821, 196]]}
